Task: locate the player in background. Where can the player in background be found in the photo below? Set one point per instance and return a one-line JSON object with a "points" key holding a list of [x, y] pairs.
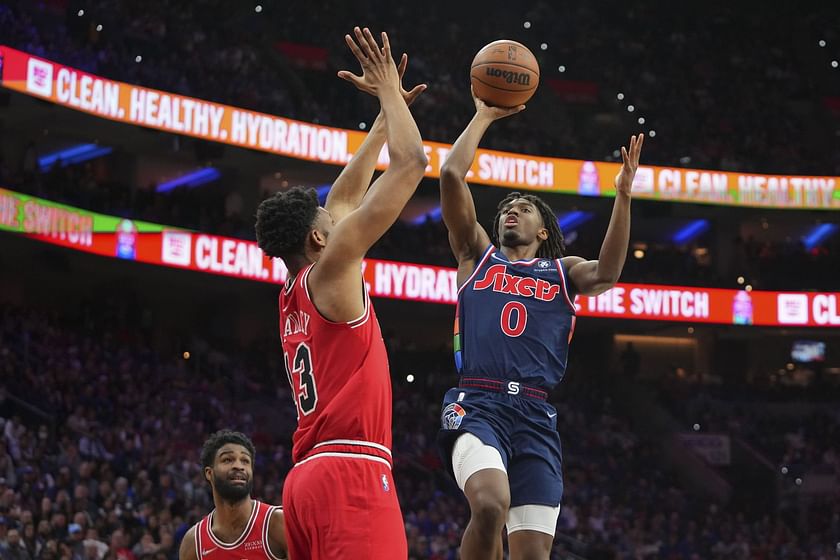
{"points": [[239, 528], [514, 322], [339, 498]]}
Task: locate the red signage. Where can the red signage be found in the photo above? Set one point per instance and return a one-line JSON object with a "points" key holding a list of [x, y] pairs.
{"points": [[156, 244]]}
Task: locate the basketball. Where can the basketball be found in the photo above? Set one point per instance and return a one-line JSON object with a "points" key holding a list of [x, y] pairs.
{"points": [[504, 74]]}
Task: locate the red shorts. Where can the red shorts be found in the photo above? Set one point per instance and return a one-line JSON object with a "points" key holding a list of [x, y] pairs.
{"points": [[343, 507]]}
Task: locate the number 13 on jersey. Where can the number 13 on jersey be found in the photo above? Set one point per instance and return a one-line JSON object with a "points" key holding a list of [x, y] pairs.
{"points": [[302, 379]]}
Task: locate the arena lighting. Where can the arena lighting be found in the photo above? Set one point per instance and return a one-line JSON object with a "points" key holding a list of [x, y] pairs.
{"points": [[573, 219], [323, 191], [192, 179], [75, 154], [689, 232], [434, 214], [818, 235]]}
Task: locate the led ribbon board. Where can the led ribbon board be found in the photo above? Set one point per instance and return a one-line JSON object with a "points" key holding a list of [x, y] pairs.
{"points": [[115, 237], [136, 105]]}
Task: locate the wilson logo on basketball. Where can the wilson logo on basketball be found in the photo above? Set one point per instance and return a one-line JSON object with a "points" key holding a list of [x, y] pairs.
{"points": [[521, 78]]}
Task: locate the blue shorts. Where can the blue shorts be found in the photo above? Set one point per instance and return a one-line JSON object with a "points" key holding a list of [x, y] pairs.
{"points": [[523, 430]]}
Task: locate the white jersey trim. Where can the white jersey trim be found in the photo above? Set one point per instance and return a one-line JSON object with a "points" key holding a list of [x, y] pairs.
{"points": [[197, 538], [354, 442], [564, 281], [345, 455], [357, 322], [479, 264], [266, 527], [229, 546]]}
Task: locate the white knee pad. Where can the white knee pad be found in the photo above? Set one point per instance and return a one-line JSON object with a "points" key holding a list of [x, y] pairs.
{"points": [[533, 518], [470, 455]]}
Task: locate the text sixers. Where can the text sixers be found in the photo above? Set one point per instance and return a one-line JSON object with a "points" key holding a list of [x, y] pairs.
{"points": [[500, 281]]}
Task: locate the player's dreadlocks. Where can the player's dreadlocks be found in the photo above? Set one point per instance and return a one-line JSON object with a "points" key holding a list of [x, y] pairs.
{"points": [[218, 440], [284, 220], [552, 248]]}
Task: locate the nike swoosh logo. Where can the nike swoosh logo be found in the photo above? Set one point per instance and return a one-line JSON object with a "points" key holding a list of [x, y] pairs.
{"points": [[552, 415], [208, 551]]}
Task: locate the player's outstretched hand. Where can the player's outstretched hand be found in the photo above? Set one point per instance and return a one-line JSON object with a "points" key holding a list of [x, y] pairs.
{"points": [[629, 165], [493, 113], [411, 95], [378, 69]]}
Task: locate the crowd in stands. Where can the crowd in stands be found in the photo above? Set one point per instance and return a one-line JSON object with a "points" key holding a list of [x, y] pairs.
{"points": [[790, 416], [101, 461], [747, 90], [100, 432], [244, 59]]}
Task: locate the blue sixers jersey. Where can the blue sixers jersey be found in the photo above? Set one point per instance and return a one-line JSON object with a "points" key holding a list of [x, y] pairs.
{"points": [[514, 321]]}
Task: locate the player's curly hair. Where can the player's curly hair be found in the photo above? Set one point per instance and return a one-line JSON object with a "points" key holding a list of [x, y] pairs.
{"points": [[552, 248], [221, 438], [284, 220]]}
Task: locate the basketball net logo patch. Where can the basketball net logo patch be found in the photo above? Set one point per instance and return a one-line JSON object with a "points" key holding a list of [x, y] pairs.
{"points": [[452, 416]]}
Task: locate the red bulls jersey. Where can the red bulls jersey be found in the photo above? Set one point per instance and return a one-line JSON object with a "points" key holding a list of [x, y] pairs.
{"points": [[339, 377], [251, 545]]}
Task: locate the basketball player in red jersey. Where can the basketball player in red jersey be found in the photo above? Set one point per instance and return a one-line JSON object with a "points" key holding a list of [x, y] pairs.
{"points": [[339, 499], [239, 528]]}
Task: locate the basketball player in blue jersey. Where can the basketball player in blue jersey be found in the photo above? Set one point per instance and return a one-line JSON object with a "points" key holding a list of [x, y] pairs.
{"points": [[513, 325]]}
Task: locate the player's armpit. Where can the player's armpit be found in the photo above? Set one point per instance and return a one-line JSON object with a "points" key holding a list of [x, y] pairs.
{"points": [[585, 276], [187, 548], [277, 534]]}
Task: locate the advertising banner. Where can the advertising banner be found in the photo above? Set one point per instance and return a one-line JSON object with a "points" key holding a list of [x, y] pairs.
{"points": [[229, 125], [117, 237]]}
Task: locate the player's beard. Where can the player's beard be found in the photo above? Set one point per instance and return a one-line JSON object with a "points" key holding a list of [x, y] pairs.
{"points": [[232, 493]]}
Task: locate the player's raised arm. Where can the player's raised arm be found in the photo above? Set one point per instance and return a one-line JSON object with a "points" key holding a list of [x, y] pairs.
{"points": [[466, 237], [594, 277], [350, 187], [337, 273]]}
